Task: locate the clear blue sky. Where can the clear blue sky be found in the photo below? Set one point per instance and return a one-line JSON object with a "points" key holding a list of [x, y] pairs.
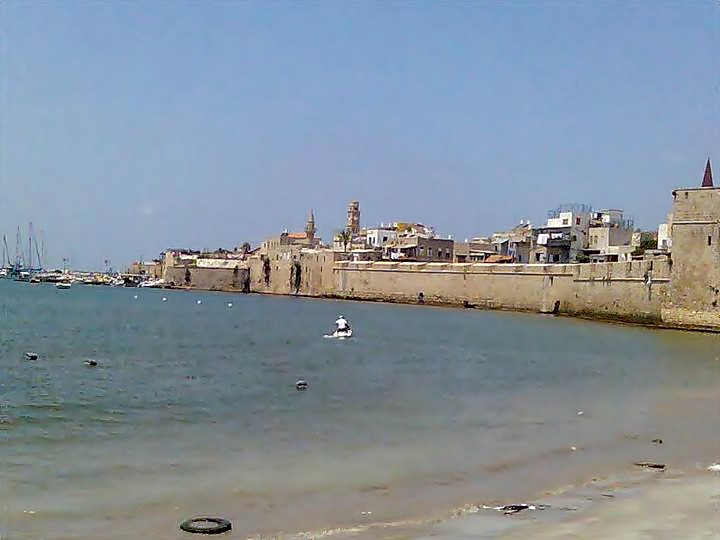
{"points": [[128, 127]]}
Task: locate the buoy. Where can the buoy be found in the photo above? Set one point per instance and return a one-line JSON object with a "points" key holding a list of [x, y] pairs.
{"points": [[164, 299], [135, 297], [91, 363], [199, 302], [301, 385], [206, 525], [229, 304], [31, 356]]}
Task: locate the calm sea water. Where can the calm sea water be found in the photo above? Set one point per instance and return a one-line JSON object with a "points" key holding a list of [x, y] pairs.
{"points": [[193, 410]]}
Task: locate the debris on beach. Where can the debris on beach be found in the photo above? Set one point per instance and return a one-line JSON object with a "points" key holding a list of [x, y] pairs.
{"points": [[301, 385], [31, 356], [510, 509], [715, 467], [515, 508], [199, 302], [206, 525], [650, 465], [657, 441], [580, 413], [91, 363], [229, 304]]}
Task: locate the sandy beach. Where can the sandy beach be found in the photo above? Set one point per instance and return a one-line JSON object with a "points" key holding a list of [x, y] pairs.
{"points": [[655, 506]]}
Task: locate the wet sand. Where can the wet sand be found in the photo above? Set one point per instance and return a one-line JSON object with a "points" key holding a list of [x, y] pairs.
{"points": [[651, 505]]}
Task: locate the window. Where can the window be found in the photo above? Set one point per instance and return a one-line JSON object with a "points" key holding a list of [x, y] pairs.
{"points": [[429, 252], [686, 194], [709, 240], [577, 221], [422, 249], [385, 238], [574, 238], [565, 221]]}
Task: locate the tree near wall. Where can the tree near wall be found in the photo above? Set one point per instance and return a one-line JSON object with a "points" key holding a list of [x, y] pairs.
{"points": [[647, 241], [345, 236]]}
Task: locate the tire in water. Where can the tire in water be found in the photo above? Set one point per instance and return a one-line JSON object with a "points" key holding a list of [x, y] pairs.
{"points": [[206, 525]]}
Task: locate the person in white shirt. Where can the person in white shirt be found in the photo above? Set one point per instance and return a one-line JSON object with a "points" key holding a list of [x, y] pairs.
{"points": [[342, 324]]}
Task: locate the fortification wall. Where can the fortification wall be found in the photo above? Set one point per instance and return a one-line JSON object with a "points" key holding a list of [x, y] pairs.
{"points": [[302, 273], [632, 291], [211, 279]]}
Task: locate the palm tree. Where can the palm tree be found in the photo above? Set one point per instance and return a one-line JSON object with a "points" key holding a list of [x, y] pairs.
{"points": [[345, 237]]}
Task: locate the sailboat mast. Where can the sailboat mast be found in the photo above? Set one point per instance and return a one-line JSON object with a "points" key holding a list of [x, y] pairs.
{"points": [[30, 235], [43, 255], [19, 262]]}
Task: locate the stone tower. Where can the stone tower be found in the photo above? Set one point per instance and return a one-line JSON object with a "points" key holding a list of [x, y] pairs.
{"points": [[694, 294], [353, 218], [310, 228]]}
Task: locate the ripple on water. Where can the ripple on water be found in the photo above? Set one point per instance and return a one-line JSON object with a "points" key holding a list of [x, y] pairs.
{"points": [[429, 407]]}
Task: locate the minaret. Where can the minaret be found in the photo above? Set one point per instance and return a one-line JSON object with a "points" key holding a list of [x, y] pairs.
{"points": [[310, 229], [353, 218], [707, 177]]}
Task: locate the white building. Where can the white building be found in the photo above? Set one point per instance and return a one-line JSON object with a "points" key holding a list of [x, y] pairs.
{"points": [[379, 236], [566, 232], [609, 230]]}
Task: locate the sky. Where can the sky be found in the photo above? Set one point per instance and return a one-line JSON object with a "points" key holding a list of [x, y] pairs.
{"points": [[130, 127]]}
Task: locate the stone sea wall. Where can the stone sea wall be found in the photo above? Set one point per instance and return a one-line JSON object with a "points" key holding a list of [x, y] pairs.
{"points": [[633, 291], [208, 279], [628, 291]]}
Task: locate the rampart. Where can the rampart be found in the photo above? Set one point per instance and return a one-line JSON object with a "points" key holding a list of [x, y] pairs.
{"points": [[631, 291]]}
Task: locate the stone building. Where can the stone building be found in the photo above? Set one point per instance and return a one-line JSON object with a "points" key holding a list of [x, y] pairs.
{"points": [[609, 237], [306, 238], [694, 298], [564, 236], [473, 251], [420, 249]]}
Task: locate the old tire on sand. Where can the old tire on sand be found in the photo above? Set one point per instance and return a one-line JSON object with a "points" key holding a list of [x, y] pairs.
{"points": [[206, 525]]}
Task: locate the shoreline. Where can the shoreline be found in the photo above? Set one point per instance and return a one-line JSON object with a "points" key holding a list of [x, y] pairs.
{"points": [[624, 506], [618, 321]]}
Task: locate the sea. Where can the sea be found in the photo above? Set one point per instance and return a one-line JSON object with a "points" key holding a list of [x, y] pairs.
{"points": [[193, 410]]}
